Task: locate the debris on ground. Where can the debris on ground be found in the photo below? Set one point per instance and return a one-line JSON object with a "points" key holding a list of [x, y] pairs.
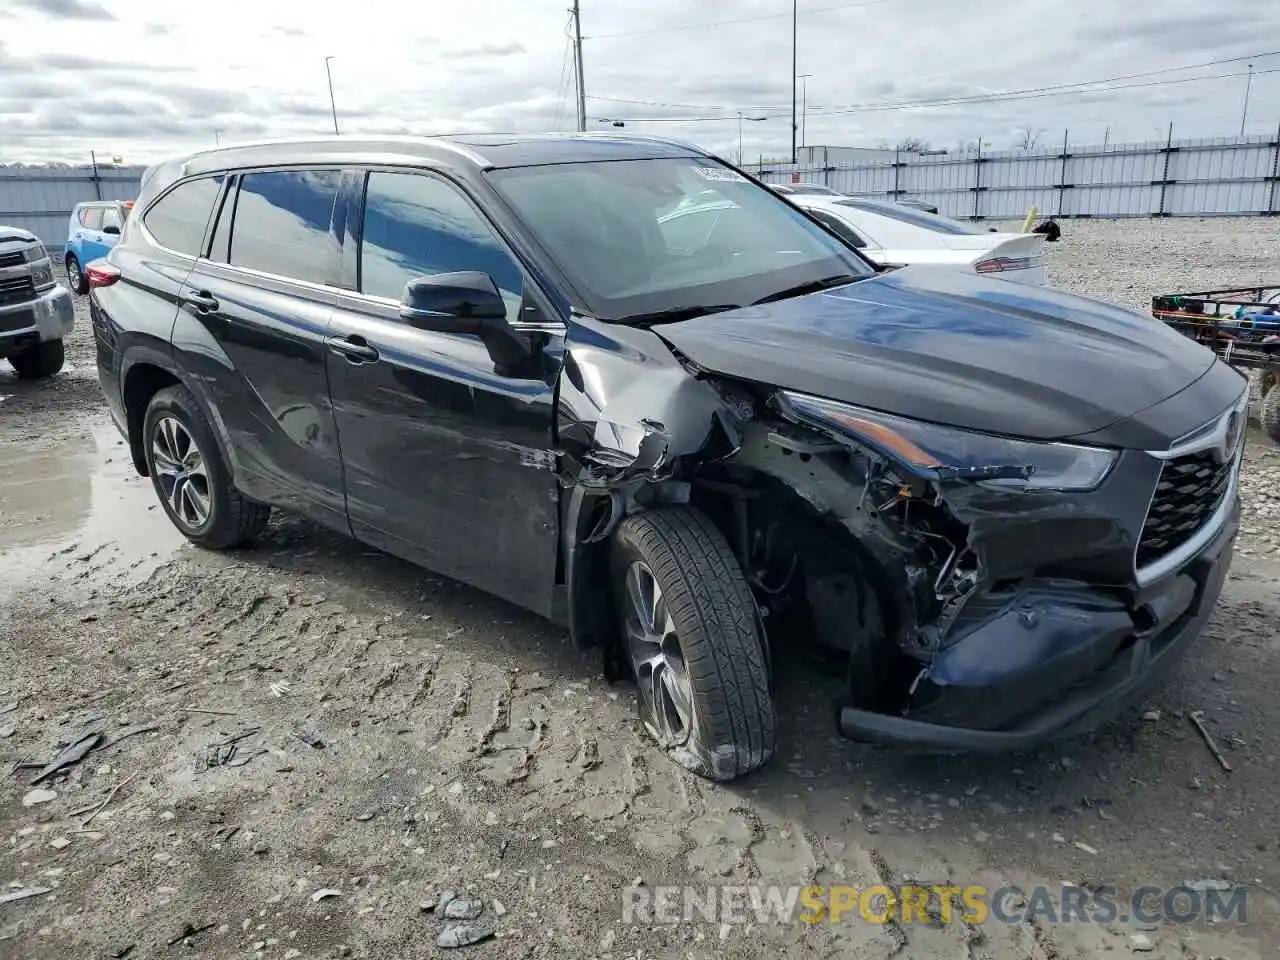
{"points": [[463, 908], [311, 740], [227, 753], [187, 932], [1151, 716], [25, 893], [69, 756], [110, 796], [325, 894], [1204, 886], [464, 934], [36, 797], [1197, 718]]}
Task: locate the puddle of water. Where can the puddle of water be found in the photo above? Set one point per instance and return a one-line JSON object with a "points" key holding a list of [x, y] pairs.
{"points": [[78, 508]]}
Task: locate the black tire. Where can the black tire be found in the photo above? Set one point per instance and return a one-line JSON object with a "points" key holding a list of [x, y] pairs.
{"points": [[76, 279], [1270, 413], [229, 518], [43, 360], [721, 648]]}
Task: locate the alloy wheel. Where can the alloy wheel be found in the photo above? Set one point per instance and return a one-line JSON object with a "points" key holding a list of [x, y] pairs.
{"points": [[73, 274], [666, 692], [180, 472]]}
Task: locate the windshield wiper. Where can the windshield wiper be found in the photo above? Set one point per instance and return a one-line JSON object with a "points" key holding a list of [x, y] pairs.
{"points": [[676, 314], [809, 286]]}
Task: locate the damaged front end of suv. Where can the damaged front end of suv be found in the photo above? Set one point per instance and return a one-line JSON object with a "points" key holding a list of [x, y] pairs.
{"points": [[984, 592]]}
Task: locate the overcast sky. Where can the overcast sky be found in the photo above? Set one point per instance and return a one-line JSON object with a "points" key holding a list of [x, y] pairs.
{"points": [[142, 79]]}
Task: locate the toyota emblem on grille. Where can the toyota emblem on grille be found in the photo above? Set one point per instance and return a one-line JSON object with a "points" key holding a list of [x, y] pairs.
{"points": [[1230, 437]]}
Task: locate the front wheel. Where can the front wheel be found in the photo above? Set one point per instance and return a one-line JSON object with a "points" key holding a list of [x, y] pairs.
{"points": [[76, 279], [190, 477], [43, 360], [689, 627]]}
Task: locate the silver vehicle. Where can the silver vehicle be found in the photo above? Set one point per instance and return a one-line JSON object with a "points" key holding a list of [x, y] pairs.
{"points": [[35, 312]]}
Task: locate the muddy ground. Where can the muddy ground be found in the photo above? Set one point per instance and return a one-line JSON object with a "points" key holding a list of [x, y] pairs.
{"points": [[403, 735]]}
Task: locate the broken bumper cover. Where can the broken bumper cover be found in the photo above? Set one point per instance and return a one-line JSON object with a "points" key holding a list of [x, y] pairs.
{"points": [[1058, 662]]}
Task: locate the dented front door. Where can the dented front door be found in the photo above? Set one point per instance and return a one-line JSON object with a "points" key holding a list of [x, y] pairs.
{"points": [[447, 461]]}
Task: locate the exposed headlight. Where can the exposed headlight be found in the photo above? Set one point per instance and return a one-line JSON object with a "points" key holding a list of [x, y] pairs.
{"points": [[42, 276], [36, 252], [938, 452]]}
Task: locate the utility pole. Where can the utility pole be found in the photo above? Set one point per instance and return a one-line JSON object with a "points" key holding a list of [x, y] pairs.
{"points": [[217, 137], [577, 60], [795, 19], [739, 138], [1244, 114], [332, 105], [804, 105]]}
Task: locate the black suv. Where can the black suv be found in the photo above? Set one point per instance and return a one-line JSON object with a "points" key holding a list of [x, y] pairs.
{"points": [[624, 385]]}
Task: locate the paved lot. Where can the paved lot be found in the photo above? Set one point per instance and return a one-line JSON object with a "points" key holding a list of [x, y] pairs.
{"points": [[404, 735]]}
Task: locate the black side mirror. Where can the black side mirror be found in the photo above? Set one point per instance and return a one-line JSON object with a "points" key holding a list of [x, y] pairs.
{"points": [[111, 230], [465, 302]]}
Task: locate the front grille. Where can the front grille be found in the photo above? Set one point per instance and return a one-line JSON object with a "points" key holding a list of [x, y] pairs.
{"points": [[16, 290], [12, 259], [1189, 490]]}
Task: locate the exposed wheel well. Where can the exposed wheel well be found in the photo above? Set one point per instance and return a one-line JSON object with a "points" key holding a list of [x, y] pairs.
{"points": [[68, 257], [143, 382]]}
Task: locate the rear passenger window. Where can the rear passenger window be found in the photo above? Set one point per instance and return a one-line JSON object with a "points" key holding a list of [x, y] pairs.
{"points": [[111, 218], [178, 219], [283, 224], [839, 228], [91, 217], [416, 225]]}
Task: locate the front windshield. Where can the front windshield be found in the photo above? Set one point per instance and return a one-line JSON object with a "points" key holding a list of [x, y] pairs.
{"points": [[639, 237]]}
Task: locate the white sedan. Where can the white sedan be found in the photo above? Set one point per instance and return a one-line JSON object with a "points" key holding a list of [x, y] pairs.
{"points": [[892, 235]]}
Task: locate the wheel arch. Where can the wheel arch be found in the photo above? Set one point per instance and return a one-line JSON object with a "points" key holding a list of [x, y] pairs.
{"points": [[141, 379]]}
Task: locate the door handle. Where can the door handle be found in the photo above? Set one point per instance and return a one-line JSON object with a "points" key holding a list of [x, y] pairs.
{"points": [[354, 348], [202, 301]]}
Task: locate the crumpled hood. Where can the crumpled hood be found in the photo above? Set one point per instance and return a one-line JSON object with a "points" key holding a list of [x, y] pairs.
{"points": [[954, 348]]}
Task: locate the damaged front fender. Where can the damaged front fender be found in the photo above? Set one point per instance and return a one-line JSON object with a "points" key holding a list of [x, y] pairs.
{"points": [[629, 418]]}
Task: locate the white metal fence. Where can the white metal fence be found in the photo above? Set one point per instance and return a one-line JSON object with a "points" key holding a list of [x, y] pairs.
{"points": [[40, 199], [1173, 178]]}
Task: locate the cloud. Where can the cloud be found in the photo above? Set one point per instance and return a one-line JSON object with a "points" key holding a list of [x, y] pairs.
{"points": [[510, 48], [66, 9], [169, 75]]}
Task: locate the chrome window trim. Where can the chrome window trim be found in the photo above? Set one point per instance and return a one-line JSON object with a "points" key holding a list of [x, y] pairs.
{"points": [[1212, 435]]}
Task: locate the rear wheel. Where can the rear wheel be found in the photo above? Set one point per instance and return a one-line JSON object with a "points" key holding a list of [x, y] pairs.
{"points": [[76, 279], [190, 477], [689, 627], [43, 360]]}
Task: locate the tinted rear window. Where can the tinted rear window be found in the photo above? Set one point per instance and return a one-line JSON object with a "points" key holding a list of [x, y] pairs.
{"points": [[917, 218], [178, 219], [283, 222]]}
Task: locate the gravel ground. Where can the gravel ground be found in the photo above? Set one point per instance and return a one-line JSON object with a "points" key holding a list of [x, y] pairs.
{"points": [[401, 736]]}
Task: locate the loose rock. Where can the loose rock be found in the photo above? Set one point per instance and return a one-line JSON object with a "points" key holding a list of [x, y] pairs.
{"points": [[464, 934]]}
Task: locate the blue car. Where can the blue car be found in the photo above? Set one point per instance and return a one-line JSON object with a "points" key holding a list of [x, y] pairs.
{"points": [[94, 229]]}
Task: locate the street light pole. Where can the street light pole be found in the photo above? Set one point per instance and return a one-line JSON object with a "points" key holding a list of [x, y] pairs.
{"points": [[795, 17], [1244, 114], [804, 105], [577, 63], [332, 105]]}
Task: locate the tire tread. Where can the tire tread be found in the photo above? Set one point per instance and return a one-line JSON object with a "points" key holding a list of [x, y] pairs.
{"points": [[715, 615]]}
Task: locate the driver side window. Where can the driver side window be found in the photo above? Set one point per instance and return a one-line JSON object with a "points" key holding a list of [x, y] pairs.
{"points": [[416, 225]]}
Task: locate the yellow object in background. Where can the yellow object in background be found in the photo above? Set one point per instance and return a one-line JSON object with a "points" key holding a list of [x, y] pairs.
{"points": [[1030, 221]]}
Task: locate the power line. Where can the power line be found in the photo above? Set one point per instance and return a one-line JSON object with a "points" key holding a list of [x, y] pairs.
{"points": [[725, 23], [1010, 94], [990, 98], [562, 88]]}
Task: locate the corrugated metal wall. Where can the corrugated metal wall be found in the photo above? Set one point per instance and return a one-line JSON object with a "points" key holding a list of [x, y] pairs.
{"points": [[1177, 178], [40, 199]]}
